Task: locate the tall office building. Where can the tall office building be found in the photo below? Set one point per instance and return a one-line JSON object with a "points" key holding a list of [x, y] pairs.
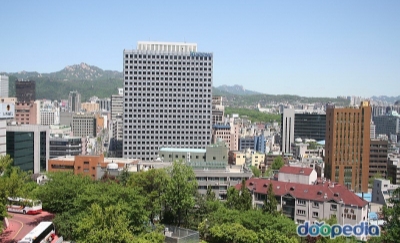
{"points": [[3, 86], [167, 98], [117, 105], [74, 101], [25, 91], [287, 130], [347, 146]]}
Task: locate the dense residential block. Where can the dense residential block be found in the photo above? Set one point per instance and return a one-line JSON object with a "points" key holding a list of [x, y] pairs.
{"points": [[167, 98]]}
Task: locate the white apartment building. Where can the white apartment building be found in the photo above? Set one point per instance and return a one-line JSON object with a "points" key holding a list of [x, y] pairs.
{"points": [[167, 98]]}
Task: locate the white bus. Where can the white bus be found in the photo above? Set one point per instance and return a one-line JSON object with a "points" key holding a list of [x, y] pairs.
{"points": [[25, 206], [43, 233]]}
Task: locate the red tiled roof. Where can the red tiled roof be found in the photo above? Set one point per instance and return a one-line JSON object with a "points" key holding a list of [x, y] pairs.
{"points": [[307, 192], [296, 170]]}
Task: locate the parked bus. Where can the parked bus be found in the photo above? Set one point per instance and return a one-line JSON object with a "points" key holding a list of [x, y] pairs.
{"points": [[43, 233], [25, 206]]}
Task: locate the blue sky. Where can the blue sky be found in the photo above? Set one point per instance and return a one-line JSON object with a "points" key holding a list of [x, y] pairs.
{"points": [[308, 48]]}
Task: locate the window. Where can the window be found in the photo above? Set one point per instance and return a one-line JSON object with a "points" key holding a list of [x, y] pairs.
{"points": [[86, 162], [316, 205], [333, 207], [301, 212], [301, 202], [315, 214]]}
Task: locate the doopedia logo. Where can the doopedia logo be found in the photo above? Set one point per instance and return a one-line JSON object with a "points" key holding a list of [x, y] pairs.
{"points": [[326, 230]]}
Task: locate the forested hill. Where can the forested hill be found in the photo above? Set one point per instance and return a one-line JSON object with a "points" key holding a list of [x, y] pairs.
{"points": [[93, 81]]}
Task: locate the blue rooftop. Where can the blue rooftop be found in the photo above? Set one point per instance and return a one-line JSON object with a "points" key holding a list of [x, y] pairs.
{"points": [[182, 150], [367, 196]]}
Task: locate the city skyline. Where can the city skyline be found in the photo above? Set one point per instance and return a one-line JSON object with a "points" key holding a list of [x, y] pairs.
{"points": [[306, 48]]}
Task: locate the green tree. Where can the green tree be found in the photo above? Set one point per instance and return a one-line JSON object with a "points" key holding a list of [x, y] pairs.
{"points": [[180, 190], [376, 176], [391, 216], [59, 193], [256, 171], [100, 225], [5, 162], [277, 163], [152, 183], [245, 198], [239, 199], [270, 202], [234, 232], [210, 194]]}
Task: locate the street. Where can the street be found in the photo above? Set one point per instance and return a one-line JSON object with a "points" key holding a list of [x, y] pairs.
{"points": [[21, 225]]}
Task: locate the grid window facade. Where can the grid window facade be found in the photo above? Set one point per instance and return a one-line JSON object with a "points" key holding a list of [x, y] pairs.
{"points": [[167, 101]]}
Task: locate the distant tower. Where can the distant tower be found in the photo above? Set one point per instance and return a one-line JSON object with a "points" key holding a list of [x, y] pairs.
{"points": [[25, 91], [74, 101], [3, 86], [287, 130]]}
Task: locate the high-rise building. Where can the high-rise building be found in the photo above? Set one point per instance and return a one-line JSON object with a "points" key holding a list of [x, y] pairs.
{"points": [[388, 124], [287, 130], [28, 146], [378, 158], [347, 146], [217, 110], [117, 105], [104, 104], [84, 125], [3, 86], [25, 91], [74, 101], [167, 98], [309, 126]]}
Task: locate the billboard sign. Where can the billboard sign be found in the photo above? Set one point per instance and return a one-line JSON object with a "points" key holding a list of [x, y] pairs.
{"points": [[7, 110]]}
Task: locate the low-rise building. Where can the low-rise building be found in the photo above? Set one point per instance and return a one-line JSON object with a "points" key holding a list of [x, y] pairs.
{"points": [[382, 191], [297, 175], [211, 153], [94, 166], [217, 175], [393, 168], [302, 202], [65, 146]]}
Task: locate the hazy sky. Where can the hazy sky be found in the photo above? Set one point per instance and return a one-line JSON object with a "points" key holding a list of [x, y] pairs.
{"points": [[308, 48]]}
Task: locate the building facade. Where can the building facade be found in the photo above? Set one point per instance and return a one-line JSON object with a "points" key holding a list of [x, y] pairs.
{"points": [[65, 146], [104, 104], [4, 86], [84, 125], [74, 101], [117, 106], [27, 113], [218, 110], [388, 124], [302, 202], [378, 158], [309, 126], [28, 146], [347, 146], [167, 98], [25, 91], [88, 164], [222, 132], [287, 130]]}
